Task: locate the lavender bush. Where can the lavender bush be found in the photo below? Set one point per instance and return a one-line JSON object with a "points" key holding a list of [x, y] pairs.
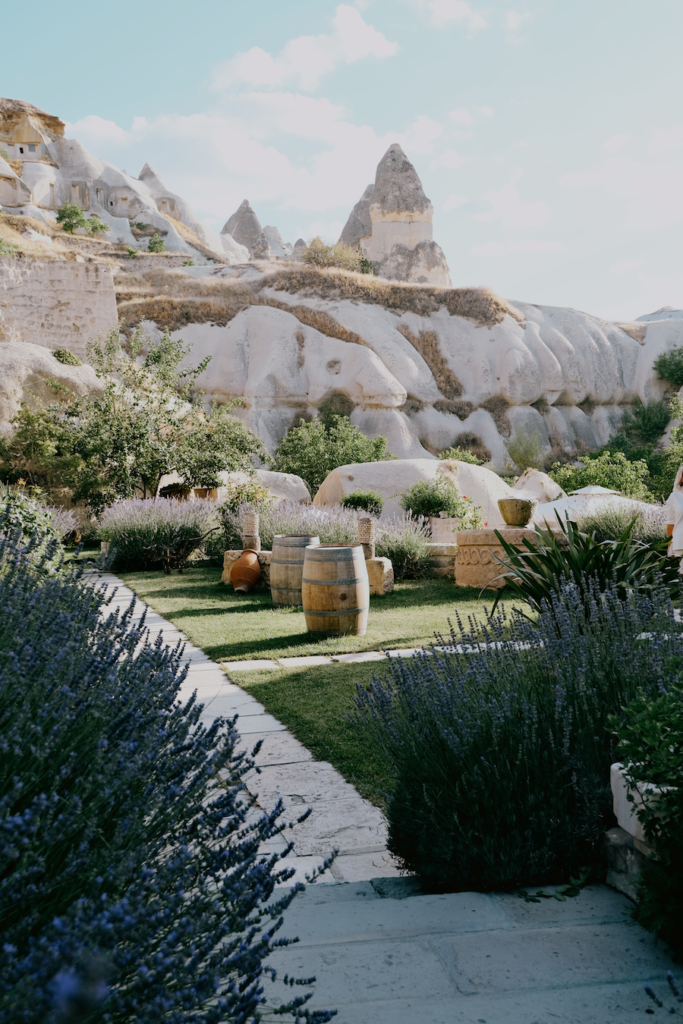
{"points": [[131, 882], [500, 753], [145, 531], [402, 539], [610, 523]]}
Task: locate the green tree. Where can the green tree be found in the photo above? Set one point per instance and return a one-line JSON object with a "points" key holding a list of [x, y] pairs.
{"points": [[156, 244], [313, 450], [669, 366], [148, 420], [70, 216], [95, 225], [609, 469]]}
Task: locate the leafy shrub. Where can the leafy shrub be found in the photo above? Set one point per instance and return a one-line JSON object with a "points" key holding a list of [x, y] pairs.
{"points": [[252, 492], [365, 266], [610, 469], [147, 532], [156, 244], [28, 517], [95, 225], [646, 423], [132, 868], [63, 355], [432, 497], [405, 541], [7, 248], [498, 741], [332, 523], [610, 523], [462, 455], [527, 451], [669, 366], [550, 562], [333, 254], [364, 501], [650, 733], [71, 216], [131, 250], [313, 450]]}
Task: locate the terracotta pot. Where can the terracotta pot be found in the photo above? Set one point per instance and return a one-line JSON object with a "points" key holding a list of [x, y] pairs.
{"points": [[517, 511], [246, 572]]}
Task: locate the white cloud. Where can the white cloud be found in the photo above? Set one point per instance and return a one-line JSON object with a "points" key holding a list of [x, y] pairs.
{"points": [[305, 60], [626, 266], [514, 20], [461, 116], [616, 143], [249, 148], [484, 111], [633, 187], [452, 201], [460, 12], [505, 206], [519, 247], [449, 159]]}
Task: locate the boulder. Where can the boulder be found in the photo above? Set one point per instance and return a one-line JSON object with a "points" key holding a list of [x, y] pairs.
{"points": [[535, 484], [244, 226], [394, 478], [235, 252], [26, 372], [286, 486]]}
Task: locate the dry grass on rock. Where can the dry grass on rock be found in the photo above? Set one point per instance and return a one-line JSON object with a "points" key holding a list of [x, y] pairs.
{"points": [[480, 304], [427, 344]]}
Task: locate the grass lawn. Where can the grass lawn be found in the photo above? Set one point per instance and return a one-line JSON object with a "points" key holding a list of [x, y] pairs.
{"points": [[314, 704], [234, 627]]}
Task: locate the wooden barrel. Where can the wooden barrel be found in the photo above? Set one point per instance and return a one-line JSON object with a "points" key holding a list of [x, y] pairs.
{"points": [[335, 589], [286, 567]]}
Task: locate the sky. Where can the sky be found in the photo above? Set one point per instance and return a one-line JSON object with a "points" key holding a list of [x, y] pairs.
{"points": [[548, 135]]}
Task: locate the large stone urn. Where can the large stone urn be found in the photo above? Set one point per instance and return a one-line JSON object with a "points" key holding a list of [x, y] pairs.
{"points": [[517, 511], [475, 561]]}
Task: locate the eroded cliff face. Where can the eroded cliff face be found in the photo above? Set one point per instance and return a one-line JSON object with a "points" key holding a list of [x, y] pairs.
{"points": [[428, 367]]}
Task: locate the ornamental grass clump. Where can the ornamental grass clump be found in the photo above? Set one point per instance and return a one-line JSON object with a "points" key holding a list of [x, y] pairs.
{"points": [[405, 541], [132, 882], [154, 533], [551, 559], [499, 741]]}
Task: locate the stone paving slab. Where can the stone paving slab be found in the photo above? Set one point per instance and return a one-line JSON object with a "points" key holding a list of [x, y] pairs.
{"points": [[248, 666], [349, 825], [306, 782], [360, 656], [279, 748], [356, 867], [305, 661]]}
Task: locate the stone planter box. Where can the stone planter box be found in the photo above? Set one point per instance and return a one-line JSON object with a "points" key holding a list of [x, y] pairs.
{"points": [[475, 562], [442, 559], [644, 794]]}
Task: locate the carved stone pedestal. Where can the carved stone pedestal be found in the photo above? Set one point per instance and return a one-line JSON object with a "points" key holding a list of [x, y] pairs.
{"points": [[475, 564]]}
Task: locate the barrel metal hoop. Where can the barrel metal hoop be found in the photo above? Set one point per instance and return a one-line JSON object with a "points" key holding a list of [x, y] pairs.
{"points": [[311, 553], [286, 561], [334, 583], [343, 613]]}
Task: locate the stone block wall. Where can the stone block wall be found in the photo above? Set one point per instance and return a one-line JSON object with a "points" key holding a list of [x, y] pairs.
{"points": [[56, 304]]}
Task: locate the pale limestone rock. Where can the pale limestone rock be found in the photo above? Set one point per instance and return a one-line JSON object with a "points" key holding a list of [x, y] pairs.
{"points": [[277, 246], [534, 484], [359, 224], [244, 226], [380, 575], [13, 191], [235, 252], [285, 486], [26, 371], [392, 479], [58, 304], [400, 243], [260, 249]]}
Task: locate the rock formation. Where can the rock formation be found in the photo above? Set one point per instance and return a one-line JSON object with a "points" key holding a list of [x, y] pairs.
{"points": [[359, 224], [277, 246], [244, 226], [48, 170], [399, 241], [27, 374]]}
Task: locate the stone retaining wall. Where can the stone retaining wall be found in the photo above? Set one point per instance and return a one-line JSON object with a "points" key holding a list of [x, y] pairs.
{"points": [[56, 304]]}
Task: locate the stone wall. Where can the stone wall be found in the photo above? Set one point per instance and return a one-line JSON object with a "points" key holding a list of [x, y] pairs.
{"points": [[56, 304]]}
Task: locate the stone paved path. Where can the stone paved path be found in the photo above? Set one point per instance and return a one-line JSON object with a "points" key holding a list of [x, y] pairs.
{"points": [[383, 954]]}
